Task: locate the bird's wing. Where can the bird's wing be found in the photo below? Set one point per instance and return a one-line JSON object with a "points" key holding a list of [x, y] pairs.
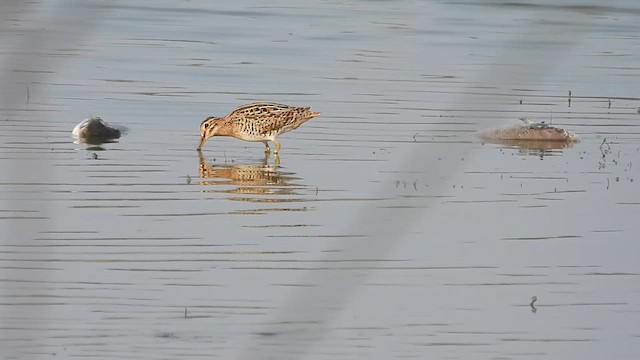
{"points": [[285, 120], [260, 110]]}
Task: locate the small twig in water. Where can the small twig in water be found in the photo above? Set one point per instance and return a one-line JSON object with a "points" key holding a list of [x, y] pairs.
{"points": [[533, 307], [604, 142], [185, 313]]}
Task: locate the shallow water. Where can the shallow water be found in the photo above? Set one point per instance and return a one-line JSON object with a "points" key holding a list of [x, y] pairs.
{"points": [[387, 230]]}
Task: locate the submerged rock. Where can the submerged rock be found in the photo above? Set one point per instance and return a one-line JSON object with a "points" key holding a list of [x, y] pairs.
{"points": [[95, 131], [530, 131]]}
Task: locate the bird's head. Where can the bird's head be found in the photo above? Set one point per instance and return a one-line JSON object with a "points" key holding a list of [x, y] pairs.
{"points": [[209, 128]]}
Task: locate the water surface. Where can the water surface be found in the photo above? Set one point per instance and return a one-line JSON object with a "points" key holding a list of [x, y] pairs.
{"points": [[387, 230]]}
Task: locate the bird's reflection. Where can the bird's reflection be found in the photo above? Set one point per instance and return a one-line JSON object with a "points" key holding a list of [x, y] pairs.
{"points": [[249, 179]]}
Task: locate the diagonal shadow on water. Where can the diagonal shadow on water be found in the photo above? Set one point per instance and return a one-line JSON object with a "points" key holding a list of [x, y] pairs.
{"points": [[305, 318]]}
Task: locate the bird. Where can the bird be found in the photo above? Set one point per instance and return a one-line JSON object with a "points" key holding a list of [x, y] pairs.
{"points": [[256, 122]]}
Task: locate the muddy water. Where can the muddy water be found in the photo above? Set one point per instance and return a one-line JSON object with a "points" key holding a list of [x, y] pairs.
{"points": [[387, 230]]}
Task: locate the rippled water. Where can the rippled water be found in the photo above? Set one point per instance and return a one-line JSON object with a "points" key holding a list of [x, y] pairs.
{"points": [[388, 229]]}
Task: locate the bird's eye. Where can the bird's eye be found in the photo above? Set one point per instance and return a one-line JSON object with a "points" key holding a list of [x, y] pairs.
{"points": [[206, 126]]}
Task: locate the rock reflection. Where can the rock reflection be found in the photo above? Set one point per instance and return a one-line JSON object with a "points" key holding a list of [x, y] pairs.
{"points": [[539, 148], [250, 179]]}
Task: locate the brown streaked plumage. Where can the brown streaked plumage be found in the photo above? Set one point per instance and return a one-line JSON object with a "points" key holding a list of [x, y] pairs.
{"points": [[261, 122]]}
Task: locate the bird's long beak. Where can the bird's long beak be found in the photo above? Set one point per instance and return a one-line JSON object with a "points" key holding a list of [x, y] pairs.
{"points": [[315, 113], [202, 140]]}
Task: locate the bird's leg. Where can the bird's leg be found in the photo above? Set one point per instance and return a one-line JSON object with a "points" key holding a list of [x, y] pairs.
{"points": [[276, 159], [277, 146], [267, 149]]}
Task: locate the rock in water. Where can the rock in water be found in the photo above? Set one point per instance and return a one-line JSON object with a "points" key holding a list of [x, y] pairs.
{"points": [[530, 131], [94, 130]]}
